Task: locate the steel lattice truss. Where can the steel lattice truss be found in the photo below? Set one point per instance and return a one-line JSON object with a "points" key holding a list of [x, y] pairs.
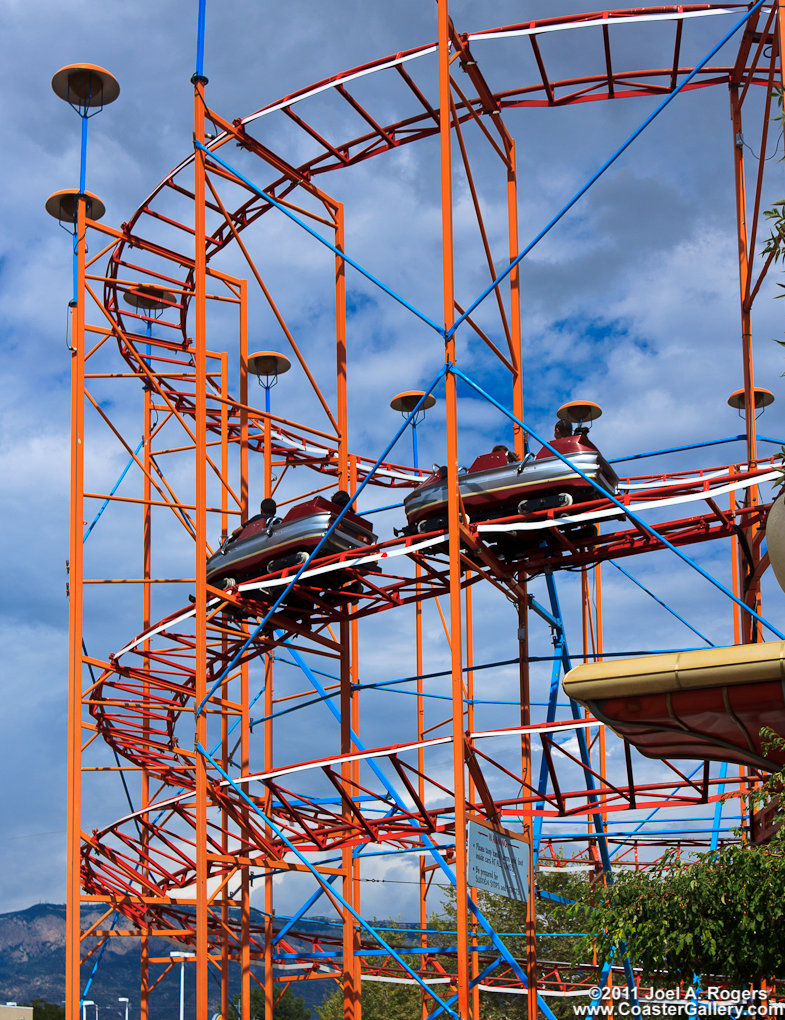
{"points": [[175, 703]]}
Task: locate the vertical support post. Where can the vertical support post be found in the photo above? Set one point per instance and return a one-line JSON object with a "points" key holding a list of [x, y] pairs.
{"points": [[73, 925], [420, 703], [224, 360], [243, 286], [269, 903], [346, 854], [245, 882], [354, 673], [454, 543], [474, 959], [526, 775], [200, 545], [598, 658], [750, 629], [340, 352], [147, 537], [781, 40], [515, 299]]}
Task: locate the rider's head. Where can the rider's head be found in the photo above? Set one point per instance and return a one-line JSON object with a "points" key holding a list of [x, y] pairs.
{"points": [[562, 429]]}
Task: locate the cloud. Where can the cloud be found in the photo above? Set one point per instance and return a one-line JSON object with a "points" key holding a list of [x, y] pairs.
{"points": [[631, 301]]}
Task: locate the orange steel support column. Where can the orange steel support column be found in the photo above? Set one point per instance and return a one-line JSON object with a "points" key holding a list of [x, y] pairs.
{"points": [[349, 989], [354, 672], [598, 658], [749, 629], [224, 358], [454, 524], [147, 493], [453, 520], [347, 700], [418, 669], [515, 299], [526, 775], [73, 885], [200, 530], [781, 39], [340, 352], [245, 883], [268, 881], [474, 959]]}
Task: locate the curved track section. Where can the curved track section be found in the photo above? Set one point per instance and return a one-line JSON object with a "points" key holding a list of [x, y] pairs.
{"points": [[142, 704]]}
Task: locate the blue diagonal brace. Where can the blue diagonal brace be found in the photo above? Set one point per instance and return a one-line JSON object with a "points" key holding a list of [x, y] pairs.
{"points": [[617, 502], [314, 552], [595, 177], [314, 233], [431, 846]]}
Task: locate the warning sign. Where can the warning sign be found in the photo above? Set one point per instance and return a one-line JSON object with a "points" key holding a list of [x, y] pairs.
{"points": [[498, 861]]}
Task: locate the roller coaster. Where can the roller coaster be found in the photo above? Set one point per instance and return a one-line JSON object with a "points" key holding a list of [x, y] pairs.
{"points": [[202, 704]]}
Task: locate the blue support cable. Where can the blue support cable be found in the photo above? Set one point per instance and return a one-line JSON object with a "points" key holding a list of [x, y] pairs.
{"points": [[314, 233], [97, 963], [553, 697], [596, 176], [625, 509], [663, 604], [314, 552], [715, 832], [693, 446], [676, 449], [115, 487], [322, 880], [602, 841], [430, 845], [305, 907]]}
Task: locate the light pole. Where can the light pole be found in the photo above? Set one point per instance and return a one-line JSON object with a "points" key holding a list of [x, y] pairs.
{"points": [[125, 1000], [405, 403], [182, 957], [267, 366]]}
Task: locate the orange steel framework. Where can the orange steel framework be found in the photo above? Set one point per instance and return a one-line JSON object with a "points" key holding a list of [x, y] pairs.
{"points": [[182, 703]]}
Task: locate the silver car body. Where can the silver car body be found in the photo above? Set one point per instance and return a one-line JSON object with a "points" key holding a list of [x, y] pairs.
{"points": [[511, 483], [304, 533]]}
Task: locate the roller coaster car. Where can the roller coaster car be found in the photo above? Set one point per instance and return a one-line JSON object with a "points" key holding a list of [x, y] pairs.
{"points": [[499, 485], [266, 543]]}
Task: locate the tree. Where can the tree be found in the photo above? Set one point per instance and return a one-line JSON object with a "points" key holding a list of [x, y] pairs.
{"points": [[387, 1001], [715, 915], [288, 1007], [720, 914], [43, 1010]]}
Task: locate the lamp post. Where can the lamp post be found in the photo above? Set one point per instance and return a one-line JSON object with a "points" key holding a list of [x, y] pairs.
{"points": [[182, 957], [405, 403], [150, 301], [84, 87], [267, 366], [122, 998], [738, 400]]}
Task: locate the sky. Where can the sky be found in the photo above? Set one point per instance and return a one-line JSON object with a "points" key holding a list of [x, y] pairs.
{"points": [[632, 301]]}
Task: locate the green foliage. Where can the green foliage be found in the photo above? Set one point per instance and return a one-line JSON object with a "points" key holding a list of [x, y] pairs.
{"points": [[288, 1007], [715, 915], [43, 1010], [380, 1001]]}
